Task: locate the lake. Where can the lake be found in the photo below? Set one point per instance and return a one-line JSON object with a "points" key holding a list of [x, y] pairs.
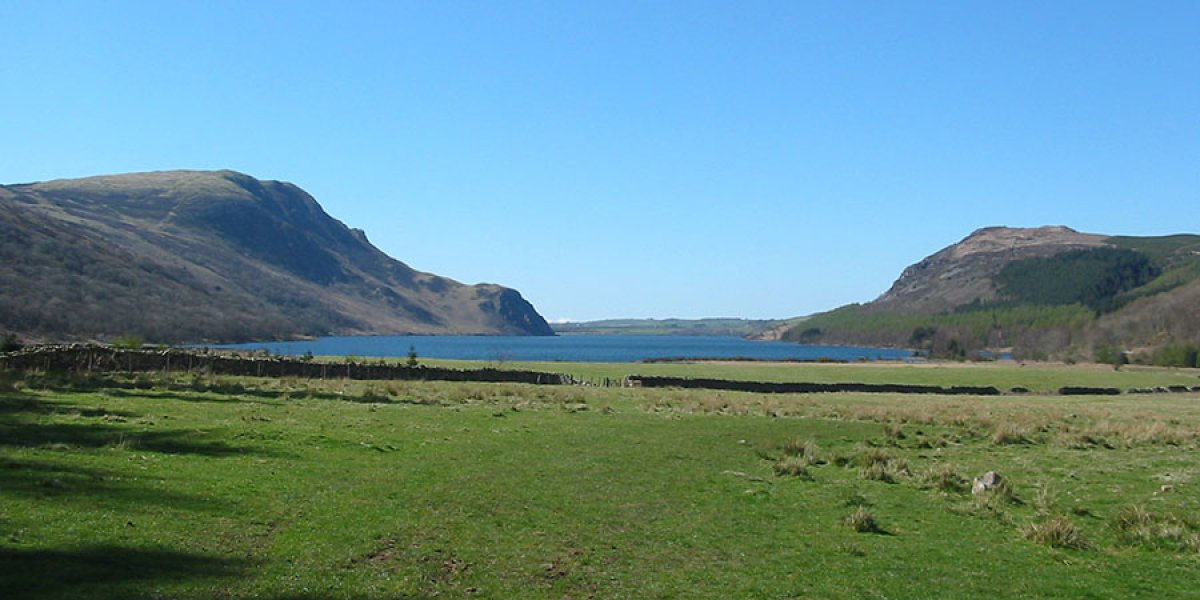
{"points": [[572, 348]]}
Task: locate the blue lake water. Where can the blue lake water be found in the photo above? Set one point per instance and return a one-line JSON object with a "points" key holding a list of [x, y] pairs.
{"points": [[572, 348]]}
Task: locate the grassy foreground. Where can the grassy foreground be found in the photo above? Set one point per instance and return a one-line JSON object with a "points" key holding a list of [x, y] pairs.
{"points": [[170, 487]]}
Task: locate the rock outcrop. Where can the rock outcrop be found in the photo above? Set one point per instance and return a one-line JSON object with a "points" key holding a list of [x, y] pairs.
{"points": [[965, 271]]}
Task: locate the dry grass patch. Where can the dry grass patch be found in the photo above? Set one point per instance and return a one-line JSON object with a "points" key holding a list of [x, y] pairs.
{"points": [[1079, 421], [876, 464], [944, 477], [1056, 532], [1138, 527], [1011, 433], [798, 455], [805, 448], [864, 521], [793, 466]]}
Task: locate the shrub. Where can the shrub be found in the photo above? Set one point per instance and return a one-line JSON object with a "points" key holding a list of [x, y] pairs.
{"points": [[1177, 356], [10, 343]]}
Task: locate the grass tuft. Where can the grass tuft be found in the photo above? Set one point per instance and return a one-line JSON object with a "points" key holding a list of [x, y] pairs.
{"points": [[793, 466], [879, 465], [1132, 518], [804, 448], [1056, 532], [1045, 499], [1010, 433], [863, 521], [1138, 527], [873, 456], [944, 477], [894, 432]]}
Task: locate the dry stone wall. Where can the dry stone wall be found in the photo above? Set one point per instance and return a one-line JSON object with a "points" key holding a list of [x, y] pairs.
{"points": [[86, 359]]}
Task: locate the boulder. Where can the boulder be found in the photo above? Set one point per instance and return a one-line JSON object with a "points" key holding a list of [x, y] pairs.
{"points": [[986, 482]]}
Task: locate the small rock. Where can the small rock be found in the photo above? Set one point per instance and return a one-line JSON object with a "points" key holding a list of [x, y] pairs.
{"points": [[1166, 488], [986, 482]]}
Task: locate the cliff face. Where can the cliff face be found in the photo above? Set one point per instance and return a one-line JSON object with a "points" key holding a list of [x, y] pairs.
{"points": [[216, 256]]}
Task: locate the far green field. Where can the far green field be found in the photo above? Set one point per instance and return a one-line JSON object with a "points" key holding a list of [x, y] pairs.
{"points": [[194, 487], [1004, 375]]}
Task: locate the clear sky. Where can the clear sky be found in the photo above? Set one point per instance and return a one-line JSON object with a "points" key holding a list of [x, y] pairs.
{"points": [[635, 159]]}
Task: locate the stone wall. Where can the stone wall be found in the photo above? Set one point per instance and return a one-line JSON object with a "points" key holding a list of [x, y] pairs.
{"points": [[877, 388], [806, 388], [87, 359]]}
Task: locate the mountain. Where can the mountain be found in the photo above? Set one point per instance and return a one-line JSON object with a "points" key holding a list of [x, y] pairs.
{"points": [[688, 327], [1046, 292], [190, 256], [966, 271]]}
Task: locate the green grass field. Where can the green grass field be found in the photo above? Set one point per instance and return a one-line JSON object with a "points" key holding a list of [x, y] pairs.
{"points": [[1004, 375], [187, 487]]}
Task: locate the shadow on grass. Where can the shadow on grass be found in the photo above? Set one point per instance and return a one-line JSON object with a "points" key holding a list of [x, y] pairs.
{"points": [[31, 434], [104, 571], [182, 396], [24, 424], [148, 385], [29, 422], [49, 480], [325, 597], [163, 387]]}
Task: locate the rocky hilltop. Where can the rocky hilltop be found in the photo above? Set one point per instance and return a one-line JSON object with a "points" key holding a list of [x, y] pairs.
{"points": [[216, 256], [1045, 292], [966, 271]]}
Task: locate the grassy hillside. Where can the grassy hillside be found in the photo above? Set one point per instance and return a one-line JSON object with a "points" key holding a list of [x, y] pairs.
{"points": [[1119, 296], [215, 256], [201, 488]]}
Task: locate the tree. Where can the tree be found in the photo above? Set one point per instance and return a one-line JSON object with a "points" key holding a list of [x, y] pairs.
{"points": [[10, 343]]}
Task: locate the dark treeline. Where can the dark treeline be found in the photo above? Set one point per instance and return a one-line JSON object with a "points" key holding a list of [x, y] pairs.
{"points": [[1092, 277]]}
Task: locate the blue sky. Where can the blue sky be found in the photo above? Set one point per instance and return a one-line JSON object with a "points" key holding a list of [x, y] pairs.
{"points": [[636, 159]]}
